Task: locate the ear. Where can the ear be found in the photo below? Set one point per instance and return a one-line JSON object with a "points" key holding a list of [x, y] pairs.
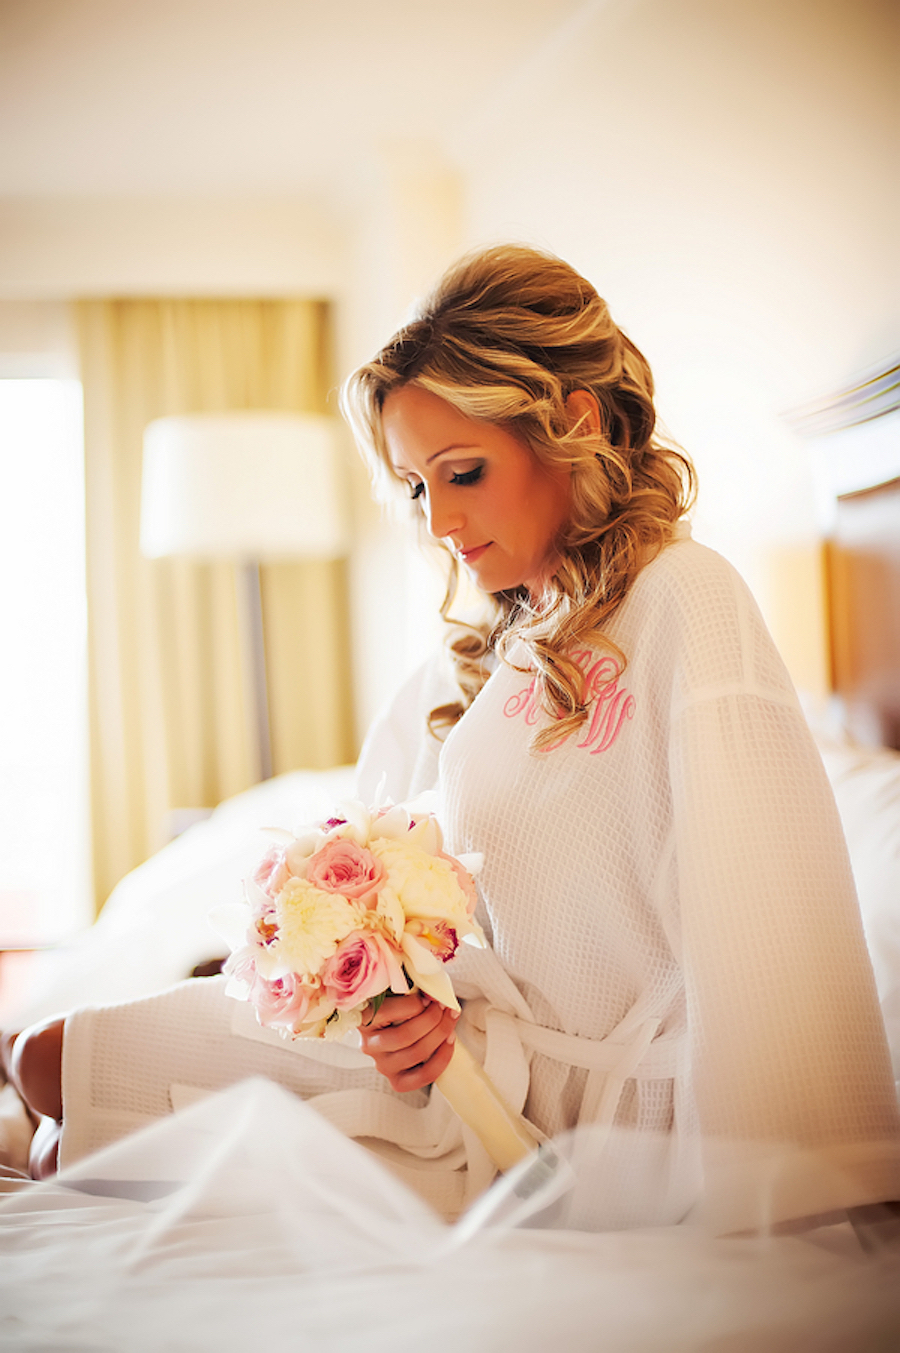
{"points": [[582, 407]]}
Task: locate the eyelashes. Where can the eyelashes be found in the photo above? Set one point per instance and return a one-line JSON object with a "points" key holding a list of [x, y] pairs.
{"points": [[468, 476], [461, 479]]}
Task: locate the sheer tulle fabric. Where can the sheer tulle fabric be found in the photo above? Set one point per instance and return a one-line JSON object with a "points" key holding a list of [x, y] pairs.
{"points": [[248, 1218]]}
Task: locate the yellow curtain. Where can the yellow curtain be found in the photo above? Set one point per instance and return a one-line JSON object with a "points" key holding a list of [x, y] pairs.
{"points": [[167, 713]]}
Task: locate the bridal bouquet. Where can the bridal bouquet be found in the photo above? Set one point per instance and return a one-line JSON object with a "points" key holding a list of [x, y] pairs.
{"points": [[343, 914]]}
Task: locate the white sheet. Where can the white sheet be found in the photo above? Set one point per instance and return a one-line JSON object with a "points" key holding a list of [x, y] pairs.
{"points": [[255, 1246], [264, 1227]]}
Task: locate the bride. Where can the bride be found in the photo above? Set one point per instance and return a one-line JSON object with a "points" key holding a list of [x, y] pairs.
{"points": [[677, 963]]}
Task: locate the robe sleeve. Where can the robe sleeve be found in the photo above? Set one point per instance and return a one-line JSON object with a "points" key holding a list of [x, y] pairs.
{"points": [[400, 754], [788, 1053]]}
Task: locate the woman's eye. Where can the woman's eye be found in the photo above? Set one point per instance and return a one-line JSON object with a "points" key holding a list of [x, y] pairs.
{"points": [[468, 476], [416, 490]]}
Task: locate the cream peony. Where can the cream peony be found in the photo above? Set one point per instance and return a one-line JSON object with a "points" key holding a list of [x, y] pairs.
{"points": [[311, 925]]}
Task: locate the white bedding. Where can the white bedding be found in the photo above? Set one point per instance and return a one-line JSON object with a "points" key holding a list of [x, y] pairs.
{"points": [[154, 928], [237, 1245], [251, 1246], [866, 784]]}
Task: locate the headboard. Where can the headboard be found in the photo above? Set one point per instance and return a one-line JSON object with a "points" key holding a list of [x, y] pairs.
{"points": [[863, 587], [855, 443]]}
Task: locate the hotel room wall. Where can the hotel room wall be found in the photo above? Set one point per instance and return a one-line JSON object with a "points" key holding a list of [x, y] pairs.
{"points": [[726, 174], [721, 169]]}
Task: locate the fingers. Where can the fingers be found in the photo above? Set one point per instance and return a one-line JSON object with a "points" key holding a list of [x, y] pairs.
{"points": [[425, 1073], [396, 1009], [402, 1026], [413, 1041], [410, 1040]]}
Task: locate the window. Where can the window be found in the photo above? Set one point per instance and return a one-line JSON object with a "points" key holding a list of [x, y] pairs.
{"points": [[45, 890]]}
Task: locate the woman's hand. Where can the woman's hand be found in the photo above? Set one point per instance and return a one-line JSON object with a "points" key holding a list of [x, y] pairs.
{"points": [[410, 1040]]}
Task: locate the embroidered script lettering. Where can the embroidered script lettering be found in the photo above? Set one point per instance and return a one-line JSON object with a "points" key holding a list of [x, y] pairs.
{"points": [[609, 703]]}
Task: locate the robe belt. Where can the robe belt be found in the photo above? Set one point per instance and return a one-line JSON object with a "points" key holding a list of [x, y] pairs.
{"points": [[609, 1062], [654, 1058], [632, 1051]]}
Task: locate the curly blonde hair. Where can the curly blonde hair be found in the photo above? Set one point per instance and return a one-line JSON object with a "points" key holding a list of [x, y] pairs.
{"points": [[507, 335]]}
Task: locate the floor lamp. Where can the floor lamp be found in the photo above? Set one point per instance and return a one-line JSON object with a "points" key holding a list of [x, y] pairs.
{"points": [[253, 488]]}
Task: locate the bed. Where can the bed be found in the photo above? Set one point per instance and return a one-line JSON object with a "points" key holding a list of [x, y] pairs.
{"points": [[195, 1235]]}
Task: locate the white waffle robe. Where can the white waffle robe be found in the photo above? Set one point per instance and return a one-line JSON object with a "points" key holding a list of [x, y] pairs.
{"points": [[678, 967]]}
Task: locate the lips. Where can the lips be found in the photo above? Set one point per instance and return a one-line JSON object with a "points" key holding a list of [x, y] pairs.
{"points": [[473, 555]]}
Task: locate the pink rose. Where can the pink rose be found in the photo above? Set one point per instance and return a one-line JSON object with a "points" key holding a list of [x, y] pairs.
{"points": [[281, 1002], [272, 872], [357, 971], [465, 881], [341, 866]]}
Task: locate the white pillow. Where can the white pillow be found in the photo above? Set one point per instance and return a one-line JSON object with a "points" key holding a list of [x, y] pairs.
{"points": [[866, 785], [154, 928]]}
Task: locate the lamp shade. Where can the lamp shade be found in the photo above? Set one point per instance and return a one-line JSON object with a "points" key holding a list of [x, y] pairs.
{"points": [[254, 485]]}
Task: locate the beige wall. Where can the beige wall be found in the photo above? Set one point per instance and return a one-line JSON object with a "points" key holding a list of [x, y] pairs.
{"points": [[725, 172], [61, 247], [37, 339], [411, 227], [721, 169]]}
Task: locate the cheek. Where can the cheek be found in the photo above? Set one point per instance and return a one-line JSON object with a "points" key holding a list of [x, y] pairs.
{"points": [[558, 500], [497, 508]]}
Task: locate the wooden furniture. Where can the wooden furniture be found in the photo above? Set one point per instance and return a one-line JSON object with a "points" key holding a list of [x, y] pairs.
{"points": [[854, 438]]}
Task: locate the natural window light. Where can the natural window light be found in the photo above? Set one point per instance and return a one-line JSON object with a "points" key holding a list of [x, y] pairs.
{"points": [[44, 840]]}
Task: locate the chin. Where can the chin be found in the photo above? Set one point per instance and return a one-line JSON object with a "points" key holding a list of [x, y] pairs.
{"points": [[495, 582]]}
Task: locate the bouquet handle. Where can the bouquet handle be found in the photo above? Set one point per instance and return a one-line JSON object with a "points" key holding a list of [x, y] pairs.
{"points": [[473, 1096]]}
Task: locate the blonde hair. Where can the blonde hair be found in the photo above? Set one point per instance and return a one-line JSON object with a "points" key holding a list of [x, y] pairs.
{"points": [[506, 336]]}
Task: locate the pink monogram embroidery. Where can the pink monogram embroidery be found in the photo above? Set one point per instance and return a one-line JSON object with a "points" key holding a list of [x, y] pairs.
{"points": [[610, 704]]}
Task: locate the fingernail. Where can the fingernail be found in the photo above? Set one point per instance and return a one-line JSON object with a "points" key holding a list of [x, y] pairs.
{"points": [[452, 1037]]}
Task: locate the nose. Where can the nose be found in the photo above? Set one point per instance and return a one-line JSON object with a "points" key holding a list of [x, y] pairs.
{"points": [[443, 517]]}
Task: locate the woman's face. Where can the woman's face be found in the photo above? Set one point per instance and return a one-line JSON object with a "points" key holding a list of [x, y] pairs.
{"points": [[483, 491]]}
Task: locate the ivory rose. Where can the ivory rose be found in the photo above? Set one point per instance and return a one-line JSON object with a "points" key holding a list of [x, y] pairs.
{"points": [[427, 885], [341, 866]]}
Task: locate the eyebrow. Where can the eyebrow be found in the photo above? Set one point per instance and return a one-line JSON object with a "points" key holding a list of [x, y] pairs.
{"points": [[454, 446]]}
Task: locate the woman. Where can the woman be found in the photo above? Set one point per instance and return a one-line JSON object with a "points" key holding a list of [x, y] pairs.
{"points": [[677, 959]]}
